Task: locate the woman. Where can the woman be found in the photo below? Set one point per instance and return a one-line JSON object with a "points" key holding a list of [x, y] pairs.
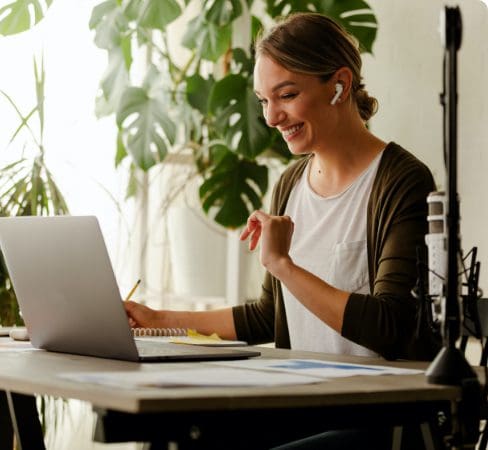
{"points": [[340, 242], [346, 219]]}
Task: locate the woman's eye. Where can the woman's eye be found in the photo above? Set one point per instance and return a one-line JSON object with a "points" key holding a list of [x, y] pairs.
{"points": [[288, 96], [262, 101]]}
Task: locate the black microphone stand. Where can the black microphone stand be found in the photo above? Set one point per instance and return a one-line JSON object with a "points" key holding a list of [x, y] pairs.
{"points": [[450, 366]]}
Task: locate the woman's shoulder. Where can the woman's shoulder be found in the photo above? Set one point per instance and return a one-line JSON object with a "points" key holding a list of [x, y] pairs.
{"points": [[398, 163], [394, 155]]}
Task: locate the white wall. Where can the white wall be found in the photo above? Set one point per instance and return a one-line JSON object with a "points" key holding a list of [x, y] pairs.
{"points": [[405, 74]]}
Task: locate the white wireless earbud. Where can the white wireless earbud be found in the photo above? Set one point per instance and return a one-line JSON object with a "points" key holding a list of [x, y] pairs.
{"points": [[338, 88]]}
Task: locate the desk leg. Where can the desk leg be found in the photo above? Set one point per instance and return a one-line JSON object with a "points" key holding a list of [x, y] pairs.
{"points": [[6, 430], [25, 421]]}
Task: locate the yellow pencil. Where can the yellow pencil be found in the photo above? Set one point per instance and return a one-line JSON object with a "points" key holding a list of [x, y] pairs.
{"points": [[129, 295]]}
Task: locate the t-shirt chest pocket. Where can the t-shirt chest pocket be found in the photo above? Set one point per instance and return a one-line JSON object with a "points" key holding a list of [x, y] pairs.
{"points": [[349, 267]]}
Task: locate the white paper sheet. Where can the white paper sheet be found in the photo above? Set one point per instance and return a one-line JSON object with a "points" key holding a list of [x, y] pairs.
{"points": [[196, 376]]}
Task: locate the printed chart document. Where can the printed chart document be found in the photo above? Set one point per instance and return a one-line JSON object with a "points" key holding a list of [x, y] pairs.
{"points": [[251, 372], [317, 368], [191, 377]]}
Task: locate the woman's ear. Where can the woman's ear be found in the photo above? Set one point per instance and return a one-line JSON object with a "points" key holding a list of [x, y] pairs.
{"points": [[342, 82]]}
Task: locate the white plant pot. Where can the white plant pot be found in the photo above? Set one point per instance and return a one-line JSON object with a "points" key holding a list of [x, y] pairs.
{"points": [[198, 254]]}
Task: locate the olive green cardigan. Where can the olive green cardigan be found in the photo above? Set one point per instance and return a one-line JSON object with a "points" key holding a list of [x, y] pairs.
{"points": [[384, 320]]}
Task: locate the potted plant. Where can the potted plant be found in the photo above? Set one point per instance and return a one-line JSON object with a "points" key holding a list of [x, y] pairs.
{"points": [[198, 98]]}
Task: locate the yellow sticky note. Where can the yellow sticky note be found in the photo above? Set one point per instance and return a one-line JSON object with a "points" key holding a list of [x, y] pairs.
{"points": [[195, 335]]}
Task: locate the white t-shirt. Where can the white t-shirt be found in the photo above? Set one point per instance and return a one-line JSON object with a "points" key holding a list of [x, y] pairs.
{"points": [[329, 241]]}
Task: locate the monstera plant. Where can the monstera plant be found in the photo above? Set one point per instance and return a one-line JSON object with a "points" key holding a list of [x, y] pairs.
{"points": [[204, 103]]}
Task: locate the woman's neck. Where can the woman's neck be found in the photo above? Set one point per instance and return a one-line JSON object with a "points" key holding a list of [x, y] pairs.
{"points": [[335, 167]]}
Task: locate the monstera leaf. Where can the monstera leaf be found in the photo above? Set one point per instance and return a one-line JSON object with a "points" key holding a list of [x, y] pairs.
{"points": [[238, 115], [146, 128], [198, 91], [110, 24], [210, 41], [222, 12], [114, 83], [234, 188], [157, 14], [355, 15], [20, 15]]}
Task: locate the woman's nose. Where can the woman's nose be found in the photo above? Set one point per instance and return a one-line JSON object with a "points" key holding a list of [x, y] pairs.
{"points": [[273, 115]]}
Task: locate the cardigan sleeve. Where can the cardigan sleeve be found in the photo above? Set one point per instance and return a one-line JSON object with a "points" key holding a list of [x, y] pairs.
{"points": [[254, 322]]}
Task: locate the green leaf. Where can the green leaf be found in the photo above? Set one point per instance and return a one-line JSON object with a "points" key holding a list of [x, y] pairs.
{"points": [[244, 65], [157, 14], [121, 151], [198, 91], [147, 129], [40, 78], [110, 24], [16, 16], [132, 9], [355, 15], [55, 195], [256, 27], [24, 120], [28, 188], [238, 115], [114, 82], [222, 12], [207, 39], [234, 189], [132, 184], [277, 8]]}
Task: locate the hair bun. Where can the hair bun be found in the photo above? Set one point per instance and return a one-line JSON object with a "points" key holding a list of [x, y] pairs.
{"points": [[367, 105]]}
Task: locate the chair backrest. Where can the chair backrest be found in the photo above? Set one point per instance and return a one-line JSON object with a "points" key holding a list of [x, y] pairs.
{"points": [[470, 327]]}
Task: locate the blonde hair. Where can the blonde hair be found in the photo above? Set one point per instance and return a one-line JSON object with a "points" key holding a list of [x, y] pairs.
{"points": [[314, 44]]}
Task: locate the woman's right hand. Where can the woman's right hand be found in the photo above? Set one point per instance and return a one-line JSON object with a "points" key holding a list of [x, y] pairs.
{"points": [[142, 316], [275, 233]]}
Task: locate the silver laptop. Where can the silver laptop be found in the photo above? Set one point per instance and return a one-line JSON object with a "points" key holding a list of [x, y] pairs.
{"points": [[69, 298]]}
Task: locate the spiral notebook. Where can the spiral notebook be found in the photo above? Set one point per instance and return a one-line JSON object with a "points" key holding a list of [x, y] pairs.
{"points": [[184, 336], [68, 294]]}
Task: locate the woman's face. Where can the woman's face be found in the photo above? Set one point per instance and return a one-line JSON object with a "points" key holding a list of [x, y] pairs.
{"points": [[297, 105]]}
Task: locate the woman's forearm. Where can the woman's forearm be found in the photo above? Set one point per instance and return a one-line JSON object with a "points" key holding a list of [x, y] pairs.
{"points": [[323, 300], [218, 321]]}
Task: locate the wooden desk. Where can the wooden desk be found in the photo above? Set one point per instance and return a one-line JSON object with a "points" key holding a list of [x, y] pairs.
{"points": [[229, 418]]}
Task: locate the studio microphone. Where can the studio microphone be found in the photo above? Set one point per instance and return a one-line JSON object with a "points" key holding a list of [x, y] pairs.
{"points": [[436, 241], [437, 244]]}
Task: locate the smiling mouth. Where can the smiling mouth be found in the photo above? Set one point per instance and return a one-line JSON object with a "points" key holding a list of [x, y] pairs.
{"points": [[290, 132]]}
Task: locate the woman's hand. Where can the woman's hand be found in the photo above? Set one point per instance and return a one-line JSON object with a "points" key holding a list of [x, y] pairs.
{"points": [[142, 316], [275, 233]]}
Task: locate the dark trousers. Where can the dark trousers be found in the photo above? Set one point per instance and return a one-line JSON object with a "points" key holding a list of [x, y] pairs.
{"points": [[355, 439]]}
